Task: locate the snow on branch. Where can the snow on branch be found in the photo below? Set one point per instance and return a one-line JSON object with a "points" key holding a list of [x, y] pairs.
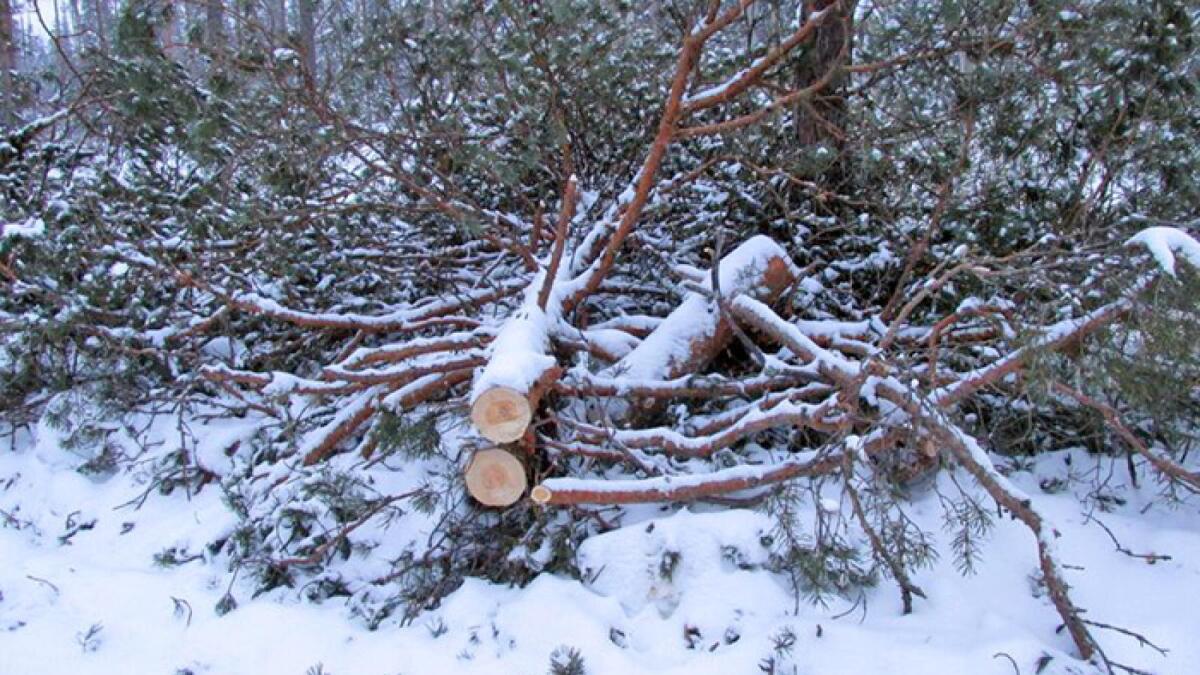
{"points": [[754, 420], [1164, 243], [563, 491], [743, 79], [430, 314], [504, 392]]}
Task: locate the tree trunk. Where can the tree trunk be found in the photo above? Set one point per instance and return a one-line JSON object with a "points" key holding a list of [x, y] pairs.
{"points": [[502, 414], [277, 19], [698, 330], [307, 27], [60, 29], [246, 17], [495, 477], [169, 34], [819, 119], [76, 16], [214, 25], [101, 19], [8, 62]]}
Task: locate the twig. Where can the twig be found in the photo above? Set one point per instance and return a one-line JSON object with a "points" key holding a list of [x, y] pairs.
{"points": [[1142, 640], [907, 588], [1150, 558], [44, 582], [320, 551]]}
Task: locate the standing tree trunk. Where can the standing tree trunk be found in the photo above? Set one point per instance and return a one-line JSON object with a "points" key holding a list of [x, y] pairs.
{"points": [[60, 29], [246, 16], [277, 19], [76, 16], [8, 62], [169, 34], [214, 25], [306, 11], [100, 18], [820, 119]]}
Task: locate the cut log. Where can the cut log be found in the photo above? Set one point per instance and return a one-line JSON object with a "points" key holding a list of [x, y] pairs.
{"points": [[697, 331], [495, 477], [501, 414], [517, 367]]}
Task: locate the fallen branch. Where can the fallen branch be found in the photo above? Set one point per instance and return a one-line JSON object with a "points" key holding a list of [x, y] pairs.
{"points": [[907, 588], [319, 552], [696, 331], [1165, 466], [822, 417], [565, 491], [971, 457]]}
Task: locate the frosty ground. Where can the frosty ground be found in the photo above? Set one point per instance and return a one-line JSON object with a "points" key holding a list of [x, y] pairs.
{"points": [[76, 600]]}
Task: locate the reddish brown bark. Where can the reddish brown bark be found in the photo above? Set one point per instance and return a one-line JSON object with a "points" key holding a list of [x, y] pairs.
{"points": [[1165, 466], [653, 490]]}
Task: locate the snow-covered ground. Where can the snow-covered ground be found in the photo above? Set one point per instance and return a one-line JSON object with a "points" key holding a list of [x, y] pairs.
{"points": [[97, 603]]}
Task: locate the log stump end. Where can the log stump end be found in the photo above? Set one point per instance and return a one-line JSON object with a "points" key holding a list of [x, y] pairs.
{"points": [[501, 414], [495, 477]]}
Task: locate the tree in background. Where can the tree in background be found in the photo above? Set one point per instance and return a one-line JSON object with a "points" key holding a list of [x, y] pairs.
{"points": [[8, 59]]}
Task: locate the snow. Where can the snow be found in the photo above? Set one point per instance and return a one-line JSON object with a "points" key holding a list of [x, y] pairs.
{"points": [[215, 448], [681, 592], [392, 320], [670, 345], [314, 439], [1164, 242], [30, 229], [628, 563], [747, 472], [517, 356], [615, 342], [824, 358]]}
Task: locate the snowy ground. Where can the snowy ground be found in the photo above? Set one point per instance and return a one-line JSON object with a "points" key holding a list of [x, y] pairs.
{"points": [[97, 603]]}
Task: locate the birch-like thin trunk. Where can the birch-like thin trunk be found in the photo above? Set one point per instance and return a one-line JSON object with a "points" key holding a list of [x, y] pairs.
{"points": [[101, 12], [169, 35]]}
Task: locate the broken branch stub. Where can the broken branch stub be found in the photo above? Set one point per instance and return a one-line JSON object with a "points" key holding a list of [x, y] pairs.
{"points": [[495, 477]]}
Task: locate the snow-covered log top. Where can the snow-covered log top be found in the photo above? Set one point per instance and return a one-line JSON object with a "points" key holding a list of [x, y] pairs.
{"points": [[517, 357], [504, 392], [670, 350]]}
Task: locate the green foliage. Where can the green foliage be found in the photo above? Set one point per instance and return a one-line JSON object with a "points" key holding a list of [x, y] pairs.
{"points": [[1151, 363], [566, 660], [819, 564], [970, 524], [408, 439]]}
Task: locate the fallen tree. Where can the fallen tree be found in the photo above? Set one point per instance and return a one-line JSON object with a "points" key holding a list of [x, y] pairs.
{"points": [[530, 394], [623, 354]]}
